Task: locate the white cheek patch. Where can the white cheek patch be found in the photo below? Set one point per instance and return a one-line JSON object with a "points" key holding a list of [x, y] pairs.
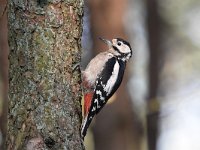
{"points": [[125, 49]]}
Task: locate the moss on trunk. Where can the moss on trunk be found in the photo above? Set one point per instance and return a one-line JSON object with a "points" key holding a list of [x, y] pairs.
{"points": [[45, 92]]}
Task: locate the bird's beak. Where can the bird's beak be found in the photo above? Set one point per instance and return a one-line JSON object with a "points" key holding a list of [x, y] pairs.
{"points": [[109, 43]]}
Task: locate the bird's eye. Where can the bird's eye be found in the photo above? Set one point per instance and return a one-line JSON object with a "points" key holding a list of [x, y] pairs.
{"points": [[119, 43]]}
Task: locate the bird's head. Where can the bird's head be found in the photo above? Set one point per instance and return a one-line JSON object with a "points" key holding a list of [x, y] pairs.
{"points": [[120, 48]]}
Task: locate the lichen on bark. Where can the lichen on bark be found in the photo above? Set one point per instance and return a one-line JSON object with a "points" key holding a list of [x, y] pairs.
{"points": [[45, 92]]}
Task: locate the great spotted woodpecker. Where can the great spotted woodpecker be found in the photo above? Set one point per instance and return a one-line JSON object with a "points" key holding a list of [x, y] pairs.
{"points": [[102, 77]]}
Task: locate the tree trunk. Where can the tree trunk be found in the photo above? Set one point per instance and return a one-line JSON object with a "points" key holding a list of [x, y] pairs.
{"points": [[155, 27], [3, 72], [45, 93]]}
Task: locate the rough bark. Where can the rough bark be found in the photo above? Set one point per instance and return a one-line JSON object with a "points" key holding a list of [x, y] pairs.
{"points": [[3, 72], [44, 95]]}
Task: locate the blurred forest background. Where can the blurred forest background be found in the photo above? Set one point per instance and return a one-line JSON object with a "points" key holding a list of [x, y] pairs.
{"points": [[158, 104]]}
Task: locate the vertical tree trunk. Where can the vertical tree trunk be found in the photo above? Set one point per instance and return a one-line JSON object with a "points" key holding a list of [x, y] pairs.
{"points": [[3, 72], [45, 93], [155, 27]]}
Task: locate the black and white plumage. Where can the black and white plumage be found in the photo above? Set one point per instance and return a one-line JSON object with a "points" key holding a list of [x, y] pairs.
{"points": [[102, 77]]}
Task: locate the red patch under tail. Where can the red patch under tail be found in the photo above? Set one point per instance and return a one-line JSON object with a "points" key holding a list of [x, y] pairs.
{"points": [[87, 102]]}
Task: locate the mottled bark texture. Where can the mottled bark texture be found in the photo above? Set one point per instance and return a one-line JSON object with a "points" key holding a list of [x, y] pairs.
{"points": [[45, 93], [3, 72]]}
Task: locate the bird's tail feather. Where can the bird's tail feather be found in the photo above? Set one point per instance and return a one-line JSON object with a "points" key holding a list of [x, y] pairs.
{"points": [[85, 126]]}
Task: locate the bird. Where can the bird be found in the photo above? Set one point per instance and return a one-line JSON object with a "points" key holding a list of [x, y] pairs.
{"points": [[102, 77]]}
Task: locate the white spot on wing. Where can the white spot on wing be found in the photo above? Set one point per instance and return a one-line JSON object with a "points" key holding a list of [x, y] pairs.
{"points": [[96, 101], [113, 78], [102, 98], [98, 92], [93, 109]]}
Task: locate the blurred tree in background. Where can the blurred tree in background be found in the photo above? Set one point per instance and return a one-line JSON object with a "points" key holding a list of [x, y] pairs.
{"points": [[116, 127], [179, 86], [164, 35]]}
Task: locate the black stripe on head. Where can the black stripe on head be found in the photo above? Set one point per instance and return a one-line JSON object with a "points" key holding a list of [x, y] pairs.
{"points": [[115, 48], [121, 54], [125, 42]]}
